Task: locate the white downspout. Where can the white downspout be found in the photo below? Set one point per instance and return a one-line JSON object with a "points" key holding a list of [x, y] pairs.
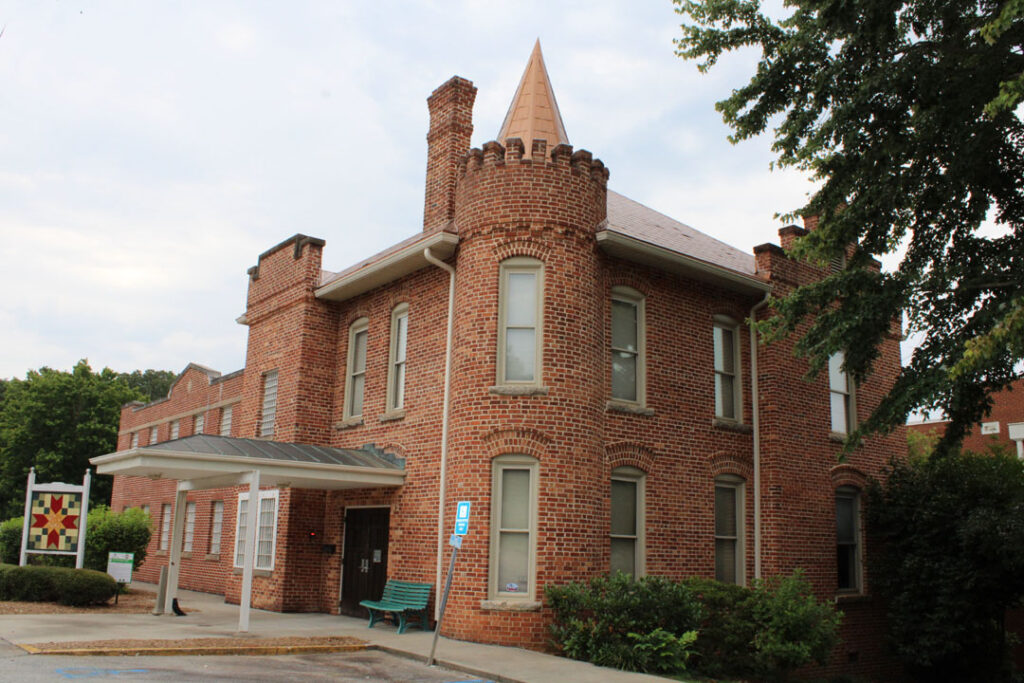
{"points": [[756, 420], [444, 423]]}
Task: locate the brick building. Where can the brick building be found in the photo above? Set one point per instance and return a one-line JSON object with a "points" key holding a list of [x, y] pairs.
{"points": [[573, 363], [1004, 424]]}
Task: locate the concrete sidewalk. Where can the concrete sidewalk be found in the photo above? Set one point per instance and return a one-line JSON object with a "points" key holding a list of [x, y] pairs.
{"points": [[215, 619]]}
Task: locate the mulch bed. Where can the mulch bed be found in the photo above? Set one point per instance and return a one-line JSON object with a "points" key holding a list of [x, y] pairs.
{"points": [[133, 602], [334, 642]]}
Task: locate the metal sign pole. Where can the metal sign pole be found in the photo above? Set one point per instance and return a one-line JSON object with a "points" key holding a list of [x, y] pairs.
{"points": [[444, 602]]}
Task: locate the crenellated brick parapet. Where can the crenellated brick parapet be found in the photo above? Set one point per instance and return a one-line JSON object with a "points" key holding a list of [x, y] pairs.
{"points": [[560, 188]]}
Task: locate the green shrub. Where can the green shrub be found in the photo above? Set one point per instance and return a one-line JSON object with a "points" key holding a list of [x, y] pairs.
{"points": [[10, 540], [119, 532], [660, 651], [593, 620], [793, 627], [75, 587], [81, 587], [947, 534], [726, 633], [32, 584]]}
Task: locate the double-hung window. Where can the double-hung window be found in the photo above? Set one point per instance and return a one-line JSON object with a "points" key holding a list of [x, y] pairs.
{"points": [[628, 345], [729, 529], [190, 527], [268, 415], [266, 529], [520, 312], [135, 439], [627, 521], [216, 526], [396, 364], [841, 396], [199, 423], [513, 527], [355, 383], [727, 375], [848, 539], [175, 429], [165, 526], [154, 434], [225, 420]]}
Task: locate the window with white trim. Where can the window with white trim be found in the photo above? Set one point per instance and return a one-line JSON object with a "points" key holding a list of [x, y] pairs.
{"points": [[135, 439], [355, 375], [266, 530], [396, 361], [727, 373], [199, 423], [627, 521], [520, 315], [841, 395], [513, 527], [190, 527], [628, 331], [216, 526], [269, 412], [175, 429], [729, 519], [225, 420], [848, 563], [165, 526], [153, 435]]}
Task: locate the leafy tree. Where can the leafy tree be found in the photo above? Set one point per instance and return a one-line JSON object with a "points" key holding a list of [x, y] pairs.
{"points": [[152, 384], [903, 112], [55, 421], [947, 538]]}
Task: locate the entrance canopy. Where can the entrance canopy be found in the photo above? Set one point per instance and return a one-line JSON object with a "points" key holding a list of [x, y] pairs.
{"points": [[205, 461]]}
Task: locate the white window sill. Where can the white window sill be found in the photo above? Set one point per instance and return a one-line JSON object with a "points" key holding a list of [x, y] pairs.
{"points": [[852, 597], [238, 571], [212, 557], [510, 605], [617, 406], [392, 415], [349, 423], [838, 437], [731, 426], [518, 390]]}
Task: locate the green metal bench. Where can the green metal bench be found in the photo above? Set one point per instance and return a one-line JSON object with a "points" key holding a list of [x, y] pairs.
{"points": [[403, 599]]}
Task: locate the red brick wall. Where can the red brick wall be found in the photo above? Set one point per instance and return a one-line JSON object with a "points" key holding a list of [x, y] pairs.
{"points": [[1007, 408]]}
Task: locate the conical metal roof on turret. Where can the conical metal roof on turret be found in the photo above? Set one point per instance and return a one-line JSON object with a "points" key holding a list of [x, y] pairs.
{"points": [[533, 114]]}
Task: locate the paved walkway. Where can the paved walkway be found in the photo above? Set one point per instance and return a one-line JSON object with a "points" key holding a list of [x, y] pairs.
{"points": [[216, 619]]}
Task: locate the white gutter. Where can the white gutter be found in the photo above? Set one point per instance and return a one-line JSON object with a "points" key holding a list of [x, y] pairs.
{"points": [[632, 249], [389, 268], [756, 420], [444, 423]]}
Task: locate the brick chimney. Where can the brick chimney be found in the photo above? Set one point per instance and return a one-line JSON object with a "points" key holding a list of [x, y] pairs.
{"points": [[451, 126]]}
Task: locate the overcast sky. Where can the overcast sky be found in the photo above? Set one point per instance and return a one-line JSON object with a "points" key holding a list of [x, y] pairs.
{"points": [[150, 151]]}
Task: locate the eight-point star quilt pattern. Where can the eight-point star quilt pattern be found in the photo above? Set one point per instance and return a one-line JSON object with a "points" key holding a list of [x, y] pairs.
{"points": [[55, 521]]}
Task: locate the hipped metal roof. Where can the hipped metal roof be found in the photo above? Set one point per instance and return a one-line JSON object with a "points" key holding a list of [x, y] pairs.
{"points": [[206, 457]]}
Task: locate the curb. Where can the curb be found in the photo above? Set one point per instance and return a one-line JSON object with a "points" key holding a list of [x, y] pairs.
{"points": [[214, 650]]}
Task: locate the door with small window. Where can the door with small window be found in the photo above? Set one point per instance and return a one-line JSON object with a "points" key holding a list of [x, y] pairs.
{"points": [[364, 565]]}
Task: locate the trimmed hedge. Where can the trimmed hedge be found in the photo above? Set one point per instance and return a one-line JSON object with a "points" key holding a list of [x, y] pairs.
{"points": [[655, 624], [74, 587], [10, 540]]}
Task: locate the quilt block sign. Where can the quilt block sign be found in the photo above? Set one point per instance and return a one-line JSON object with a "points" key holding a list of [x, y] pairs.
{"points": [[55, 517], [54, 524]]}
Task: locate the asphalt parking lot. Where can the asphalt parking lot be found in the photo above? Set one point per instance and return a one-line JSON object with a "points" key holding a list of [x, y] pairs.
{"points": [[367, 665]]}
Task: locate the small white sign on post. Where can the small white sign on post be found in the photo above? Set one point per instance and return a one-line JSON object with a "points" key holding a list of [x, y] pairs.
{"points": [[119, 565]]}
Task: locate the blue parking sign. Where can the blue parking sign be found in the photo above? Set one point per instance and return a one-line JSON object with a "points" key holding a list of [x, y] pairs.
{"points": [[462, 518]]}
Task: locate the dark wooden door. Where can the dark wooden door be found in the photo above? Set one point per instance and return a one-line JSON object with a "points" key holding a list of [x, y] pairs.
{"points": [[364, 564]]}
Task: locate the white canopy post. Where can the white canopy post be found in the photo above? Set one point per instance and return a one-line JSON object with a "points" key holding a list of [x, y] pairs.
{"points": [[252, 508], [83, 518], [177, 534]]}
